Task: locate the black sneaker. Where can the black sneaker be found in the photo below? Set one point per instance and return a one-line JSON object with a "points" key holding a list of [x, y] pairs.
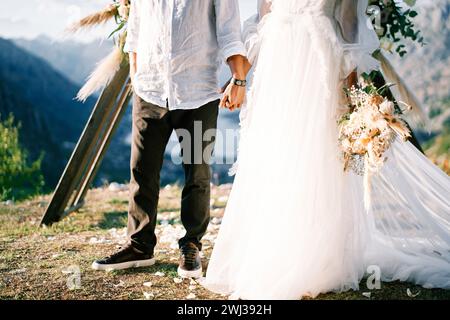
{"points": [[126, 258], [190, 262]]}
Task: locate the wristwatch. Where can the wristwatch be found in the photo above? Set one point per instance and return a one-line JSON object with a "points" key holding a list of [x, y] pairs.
{"points": [[239, 83]]}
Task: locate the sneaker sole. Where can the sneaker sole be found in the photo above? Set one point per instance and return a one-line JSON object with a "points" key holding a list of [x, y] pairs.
{"points": [[124, 265], [195, 274]]}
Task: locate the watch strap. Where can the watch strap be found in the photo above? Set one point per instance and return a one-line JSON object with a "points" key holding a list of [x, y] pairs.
{"points": [[238, 82]]}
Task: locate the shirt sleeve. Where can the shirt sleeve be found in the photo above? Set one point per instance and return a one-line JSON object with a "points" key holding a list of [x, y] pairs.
{"points": [[252, 38], [131, 42], [228, 26], [358, 37]]}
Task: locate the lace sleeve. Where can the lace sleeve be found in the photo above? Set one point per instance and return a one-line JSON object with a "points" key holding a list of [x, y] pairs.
{"points": [[251, 36], [358, 37]]}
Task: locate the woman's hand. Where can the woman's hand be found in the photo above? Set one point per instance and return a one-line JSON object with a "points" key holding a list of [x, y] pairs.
{"points": [[224, 87], [352, 79]]}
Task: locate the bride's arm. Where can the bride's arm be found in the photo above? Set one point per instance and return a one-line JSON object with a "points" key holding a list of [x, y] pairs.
{"points": [[264, 7], [252, 38], [347, 19]]}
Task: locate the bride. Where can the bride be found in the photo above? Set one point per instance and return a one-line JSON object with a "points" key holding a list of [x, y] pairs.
{"points": [[295, 224]]}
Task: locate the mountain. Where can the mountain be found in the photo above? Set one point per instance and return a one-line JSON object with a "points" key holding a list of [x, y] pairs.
{"points": [[426, 69], [40, 98], [73, 59]]}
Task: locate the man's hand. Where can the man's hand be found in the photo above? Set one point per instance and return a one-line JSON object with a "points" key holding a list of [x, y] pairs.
{"points": [[233, 96], [133, 65]]}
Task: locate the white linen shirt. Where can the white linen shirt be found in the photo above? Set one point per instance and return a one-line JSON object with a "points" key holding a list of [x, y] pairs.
{"points": [[180, 46]]}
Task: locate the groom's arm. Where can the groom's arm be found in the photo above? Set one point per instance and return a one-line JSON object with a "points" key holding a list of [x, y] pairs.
{"points": [[229, 38], [242, 68], [233, 95], [132, 39]]}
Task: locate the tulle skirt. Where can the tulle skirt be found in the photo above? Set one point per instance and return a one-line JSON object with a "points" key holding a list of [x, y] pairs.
{"points": [[295, 224]]}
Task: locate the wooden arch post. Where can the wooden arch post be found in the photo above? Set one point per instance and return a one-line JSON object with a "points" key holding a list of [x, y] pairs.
{"points": [[91, 147]]}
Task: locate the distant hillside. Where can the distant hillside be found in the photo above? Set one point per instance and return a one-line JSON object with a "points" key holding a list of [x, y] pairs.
{"points": [[73, 59], [427, 69], [42, 100]]}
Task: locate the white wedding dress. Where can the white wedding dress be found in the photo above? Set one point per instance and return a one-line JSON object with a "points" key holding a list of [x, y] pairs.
{"points": [[295, 224]]}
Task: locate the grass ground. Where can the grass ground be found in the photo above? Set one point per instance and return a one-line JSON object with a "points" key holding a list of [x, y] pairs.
{"points": [[43, 263]]}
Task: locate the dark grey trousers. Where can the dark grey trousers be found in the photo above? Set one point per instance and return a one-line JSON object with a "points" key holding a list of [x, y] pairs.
{"points": [[152, 128]]}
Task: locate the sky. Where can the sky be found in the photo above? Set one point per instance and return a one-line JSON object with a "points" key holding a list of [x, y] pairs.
{"points": [[31, 18]]}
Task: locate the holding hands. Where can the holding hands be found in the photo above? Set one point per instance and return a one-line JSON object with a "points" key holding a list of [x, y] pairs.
{"points": [[235, 89], [233, 94]]}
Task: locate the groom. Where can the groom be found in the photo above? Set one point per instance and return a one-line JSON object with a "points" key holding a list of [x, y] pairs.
{"points": [[175, 49]]}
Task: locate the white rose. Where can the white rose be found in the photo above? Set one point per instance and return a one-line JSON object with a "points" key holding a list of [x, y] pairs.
{"points": [[387, 107]]}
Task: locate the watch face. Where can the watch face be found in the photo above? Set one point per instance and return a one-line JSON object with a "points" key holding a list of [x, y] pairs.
{"points": [[239, 82]]}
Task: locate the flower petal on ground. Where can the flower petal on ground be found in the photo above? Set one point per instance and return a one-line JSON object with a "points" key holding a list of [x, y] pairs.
{"points": [[191, 296]]}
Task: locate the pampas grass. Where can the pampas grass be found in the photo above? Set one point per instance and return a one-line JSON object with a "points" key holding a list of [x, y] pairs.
{"points": [[103, 74], [106, 68], [94, 19]]}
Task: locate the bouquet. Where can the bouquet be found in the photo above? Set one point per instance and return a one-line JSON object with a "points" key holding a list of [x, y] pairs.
{"points": [[367, 130]]}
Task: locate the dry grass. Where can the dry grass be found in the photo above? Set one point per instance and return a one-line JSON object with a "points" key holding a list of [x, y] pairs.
{"points": [[97, 18], [33, 260]]}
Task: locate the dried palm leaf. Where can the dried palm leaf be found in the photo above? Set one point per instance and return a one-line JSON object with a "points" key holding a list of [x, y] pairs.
{"points": [[417, 110]]}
